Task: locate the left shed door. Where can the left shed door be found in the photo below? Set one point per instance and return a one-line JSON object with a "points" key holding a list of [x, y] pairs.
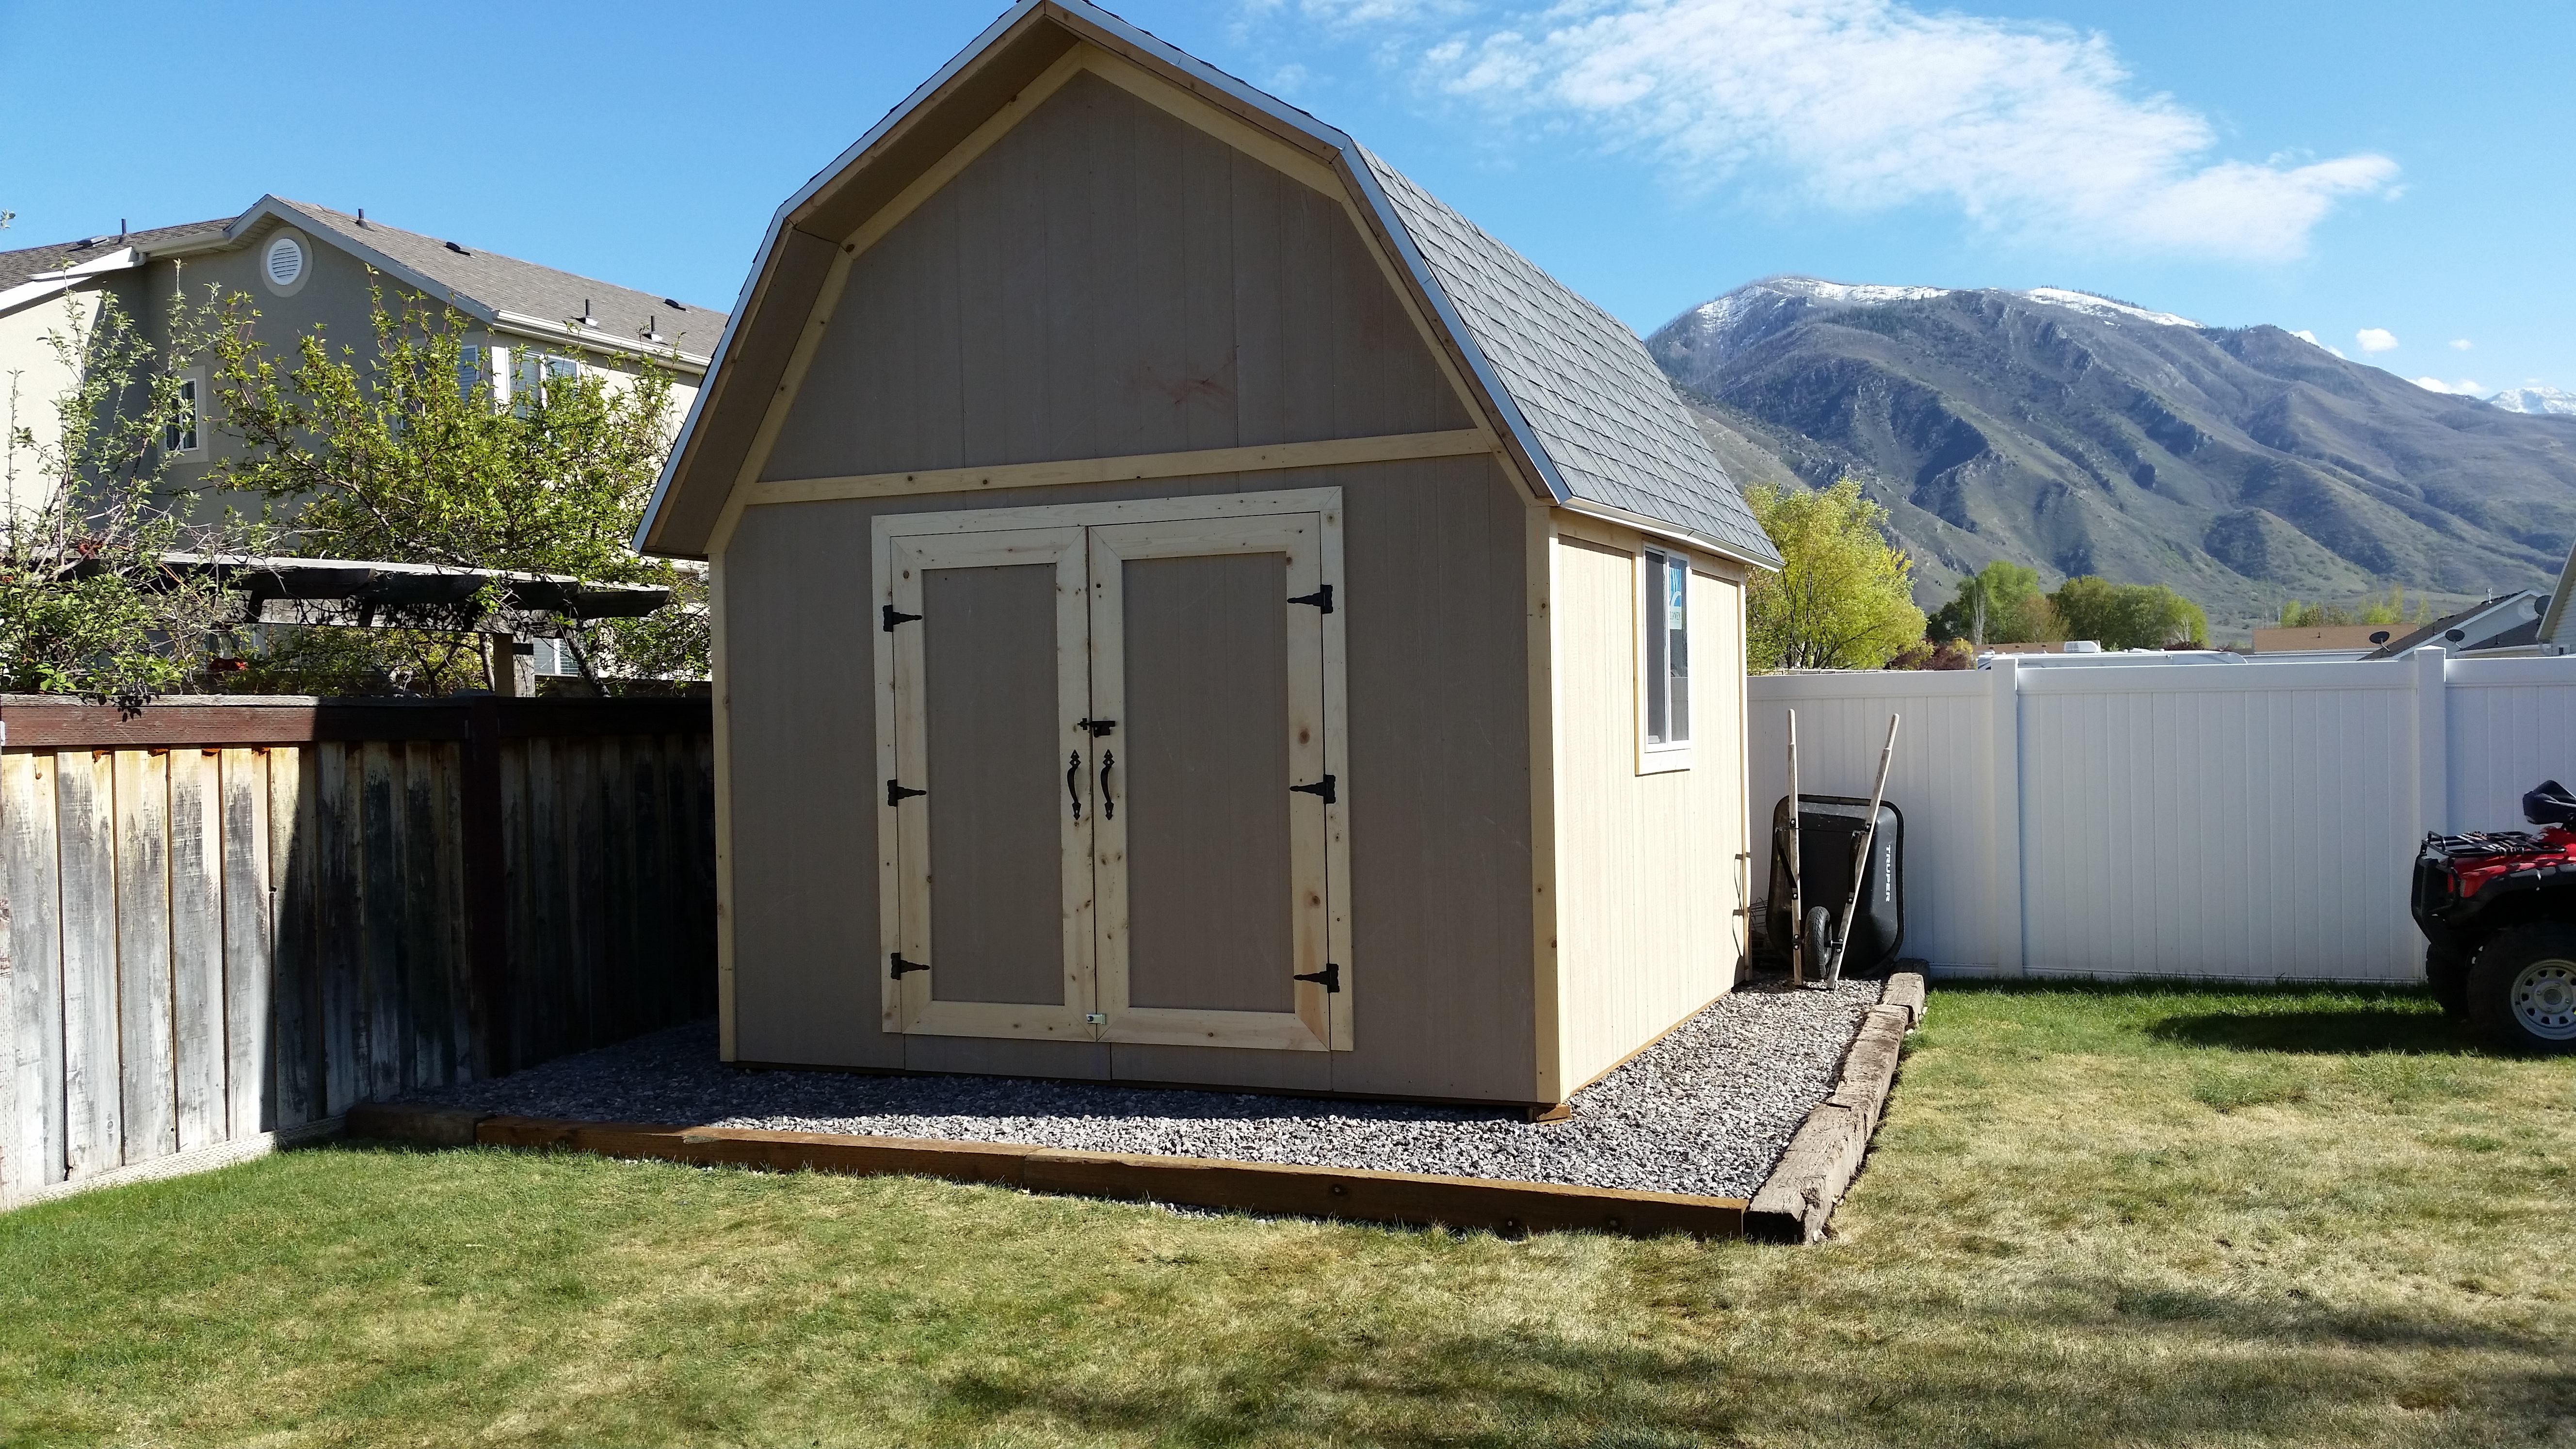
{"points": [[990, 685]]}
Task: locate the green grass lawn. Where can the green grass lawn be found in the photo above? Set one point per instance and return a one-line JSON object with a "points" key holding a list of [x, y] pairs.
{"points": [[2092, 1218]]}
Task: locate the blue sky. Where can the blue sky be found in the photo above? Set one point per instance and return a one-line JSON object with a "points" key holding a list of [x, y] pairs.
{"points": [[2364, 166]]}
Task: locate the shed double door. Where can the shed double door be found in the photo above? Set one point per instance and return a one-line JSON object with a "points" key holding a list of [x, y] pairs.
{"points": [[1114, 795]]}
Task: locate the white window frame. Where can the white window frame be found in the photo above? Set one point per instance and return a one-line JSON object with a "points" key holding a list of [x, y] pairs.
{"points": [[192, 383], [1654, 756]]}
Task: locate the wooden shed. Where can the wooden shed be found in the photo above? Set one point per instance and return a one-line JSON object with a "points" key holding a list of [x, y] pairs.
{"points": [[1192, 608]]}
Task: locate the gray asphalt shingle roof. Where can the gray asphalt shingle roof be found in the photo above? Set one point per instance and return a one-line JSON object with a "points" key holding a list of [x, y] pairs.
{"points": [[510, 285], [1603, 411], [18, 266]]}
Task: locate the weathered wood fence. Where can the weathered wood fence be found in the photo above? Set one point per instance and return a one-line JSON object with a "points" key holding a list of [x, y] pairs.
{"points": [[228, 921]]}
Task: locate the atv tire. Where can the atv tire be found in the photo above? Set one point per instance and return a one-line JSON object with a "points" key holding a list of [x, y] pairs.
{"points": [[2522, 989], [2447, 972]]}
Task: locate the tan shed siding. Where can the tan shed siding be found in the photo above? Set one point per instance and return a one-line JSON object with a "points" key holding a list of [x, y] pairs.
{"points": [[1437, 785], [1105, 281], [1648, 875]]}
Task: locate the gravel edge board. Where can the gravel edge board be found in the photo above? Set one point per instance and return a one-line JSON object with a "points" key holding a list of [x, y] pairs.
{"points": [[1707, 1110]]}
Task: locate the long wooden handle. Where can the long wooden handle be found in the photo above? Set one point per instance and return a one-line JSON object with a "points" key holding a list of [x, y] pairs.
{"points": [[1797, 903], [1860, 856]]}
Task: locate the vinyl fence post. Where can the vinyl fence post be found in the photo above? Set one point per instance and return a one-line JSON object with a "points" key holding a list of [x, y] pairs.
{"points": [[11, 1168], [2004, 711], [2432, 746]]}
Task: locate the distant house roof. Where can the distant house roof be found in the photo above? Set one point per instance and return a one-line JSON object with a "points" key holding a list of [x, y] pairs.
{"points": [[1604, 413], [2480, 625], [18, 266], [494, 289], [1572, 393]]}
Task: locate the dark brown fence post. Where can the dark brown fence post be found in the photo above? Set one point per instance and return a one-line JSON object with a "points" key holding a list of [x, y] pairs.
{"points": [[487, 893]]}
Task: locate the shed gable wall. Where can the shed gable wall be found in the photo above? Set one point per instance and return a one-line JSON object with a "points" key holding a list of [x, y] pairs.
{"points": [[1107, 280]]}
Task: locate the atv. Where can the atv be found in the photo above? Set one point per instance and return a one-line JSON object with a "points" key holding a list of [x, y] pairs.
{"points": [[2498, 912]]}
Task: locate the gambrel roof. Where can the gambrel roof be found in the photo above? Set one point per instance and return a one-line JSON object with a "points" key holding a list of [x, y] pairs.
{"points": [[1577, 404], [1603, 411]]}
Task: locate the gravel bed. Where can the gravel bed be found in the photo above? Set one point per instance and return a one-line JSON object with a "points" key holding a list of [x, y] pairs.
{"points": [[1706, 1110]]}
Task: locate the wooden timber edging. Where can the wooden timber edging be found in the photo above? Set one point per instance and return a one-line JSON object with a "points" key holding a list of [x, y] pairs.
{"points": [[1797, 1200], [1257, 1187]]}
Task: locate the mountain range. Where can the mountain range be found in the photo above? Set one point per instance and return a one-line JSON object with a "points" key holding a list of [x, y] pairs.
{"points": [[2079, 434]]}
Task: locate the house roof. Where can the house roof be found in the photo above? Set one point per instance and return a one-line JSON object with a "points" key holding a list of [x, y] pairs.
{"points": [[498, 288], [2470, 628], [1571, 392], [18, 266], [495, 289]]}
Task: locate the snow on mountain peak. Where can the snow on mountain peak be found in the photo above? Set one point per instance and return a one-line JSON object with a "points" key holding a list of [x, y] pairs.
{"points": [[2103, 307], [2553, 400]]}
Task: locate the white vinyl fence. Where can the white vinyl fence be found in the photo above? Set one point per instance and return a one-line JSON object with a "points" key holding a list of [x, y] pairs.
{"points": [[2253, 821]]}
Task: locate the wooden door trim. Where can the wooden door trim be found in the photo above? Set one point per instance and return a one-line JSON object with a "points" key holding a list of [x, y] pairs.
{"points": [[909, 1003]]}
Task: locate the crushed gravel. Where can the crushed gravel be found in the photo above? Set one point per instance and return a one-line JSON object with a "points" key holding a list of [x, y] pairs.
{"points": [[1706, 1110]]}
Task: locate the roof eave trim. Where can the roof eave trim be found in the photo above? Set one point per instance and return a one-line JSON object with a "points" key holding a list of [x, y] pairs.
{"points": [[1660, 529], [1531, 449], [547, 328]]}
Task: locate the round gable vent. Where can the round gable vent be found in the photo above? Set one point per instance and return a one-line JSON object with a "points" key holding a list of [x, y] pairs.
{"points": [[285, 262]]}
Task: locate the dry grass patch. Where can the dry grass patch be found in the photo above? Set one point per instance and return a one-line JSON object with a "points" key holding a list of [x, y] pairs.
{"points": [[2093, 1218]]}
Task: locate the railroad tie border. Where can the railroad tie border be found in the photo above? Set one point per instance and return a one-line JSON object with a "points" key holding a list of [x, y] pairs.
{"points": [[1797, 1201]]}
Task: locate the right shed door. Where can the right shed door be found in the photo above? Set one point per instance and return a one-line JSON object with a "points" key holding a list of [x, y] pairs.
{"points": [[1207, 646]]}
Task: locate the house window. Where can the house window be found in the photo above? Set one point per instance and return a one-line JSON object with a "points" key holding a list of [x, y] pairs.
{"points": [[1665, 672], [469, 371], [537, 371], [179, 435]]}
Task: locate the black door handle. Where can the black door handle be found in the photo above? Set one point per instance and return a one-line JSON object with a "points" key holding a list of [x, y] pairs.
{"points": [[1073, 772], [1108, 806]]}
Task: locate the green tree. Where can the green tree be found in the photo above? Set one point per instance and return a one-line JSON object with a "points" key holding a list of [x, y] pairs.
{"points": [[91, 599], [2127, 616], [2001, 604], [1843, 598], [408, 454]]}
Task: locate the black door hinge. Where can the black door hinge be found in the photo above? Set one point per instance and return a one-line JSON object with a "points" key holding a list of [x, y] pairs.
{"points": [[1322, 787], [1098, 727], [1330, 978], [1321, 600], [894, 616], [901, 966], [896, 794]]}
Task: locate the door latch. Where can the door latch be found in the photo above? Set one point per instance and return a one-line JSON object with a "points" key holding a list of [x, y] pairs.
{"points": [[1330, 978], [1322, 789], [1098, 727]]}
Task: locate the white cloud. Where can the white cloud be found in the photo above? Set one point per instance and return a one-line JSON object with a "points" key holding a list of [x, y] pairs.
{"points": [[2376, 339], [1287, 80], [2310, 338], [2464, 386], [2034, 130], [2461, 344]]}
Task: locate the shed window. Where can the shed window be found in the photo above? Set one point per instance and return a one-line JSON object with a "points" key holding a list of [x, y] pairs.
{"points": [[1667, 637], [179, 435]]}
